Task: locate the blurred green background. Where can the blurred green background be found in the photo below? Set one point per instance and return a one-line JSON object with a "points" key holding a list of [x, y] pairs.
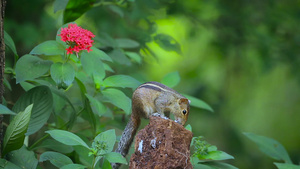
{"points": [[240, 57]]}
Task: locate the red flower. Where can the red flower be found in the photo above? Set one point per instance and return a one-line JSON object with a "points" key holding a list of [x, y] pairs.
{"points": [[77, 38]]}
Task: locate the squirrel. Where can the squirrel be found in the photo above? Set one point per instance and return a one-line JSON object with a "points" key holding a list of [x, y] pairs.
{"points": [[152, 98]]}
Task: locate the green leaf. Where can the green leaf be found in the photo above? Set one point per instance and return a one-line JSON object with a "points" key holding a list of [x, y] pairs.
{"points": [[215, 165], [64, 97], [205, 151], [104, 142], [92, 64], [29, 67], [171, 79], [10, 43], [97, 81], [99, 53], [59, 5], [97, 107], [106, 164], [127, 43], [89, 112], [80, 85], [57, 159], [89, 115], [67, 138], [194, 160], [216, 155], [198, 103], [56, 146], [73, 166], [76, 8], [118, 98], [114, 157], [82, 153], [116, 10], [4, 164], [9, 70], [108, 68], [270, 147], [98, 158], [7, 84], [106, 40], [42, 99], [167, 42], [50, 47], [134, 56], [15, 132], [23, 158], [118, 56], [286, 166], [5, 110], [27, 86], [121, 81], [63, 74], [188, 127]]}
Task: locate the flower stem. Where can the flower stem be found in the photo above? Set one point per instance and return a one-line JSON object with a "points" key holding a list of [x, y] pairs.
{"points": [[94, 160], [68, 58], [38, 142]]}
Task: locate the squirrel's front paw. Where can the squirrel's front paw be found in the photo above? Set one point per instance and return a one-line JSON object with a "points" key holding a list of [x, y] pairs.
{"points": [[160, 115], [157, 115]]}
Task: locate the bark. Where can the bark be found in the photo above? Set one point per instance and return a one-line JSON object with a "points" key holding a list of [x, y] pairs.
{"points": [[2, 66], [163, 144]]}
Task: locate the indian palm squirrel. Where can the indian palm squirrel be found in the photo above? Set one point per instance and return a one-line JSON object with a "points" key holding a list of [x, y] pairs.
{"points": [[152, 98]]}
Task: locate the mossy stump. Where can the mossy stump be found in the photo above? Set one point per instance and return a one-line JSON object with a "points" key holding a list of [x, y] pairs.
{"points": [[162, 144]]}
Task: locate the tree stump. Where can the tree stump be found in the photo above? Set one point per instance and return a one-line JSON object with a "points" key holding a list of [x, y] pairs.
{"points": [[162, 144]]}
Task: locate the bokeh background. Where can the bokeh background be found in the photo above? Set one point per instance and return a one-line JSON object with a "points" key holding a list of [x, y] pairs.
{"points": [[240, 57]]}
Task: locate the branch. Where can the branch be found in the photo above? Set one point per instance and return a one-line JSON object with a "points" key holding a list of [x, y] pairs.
{"points": [[2, 67]]}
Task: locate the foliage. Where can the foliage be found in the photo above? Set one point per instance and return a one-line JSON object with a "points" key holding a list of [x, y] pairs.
{"points": [[73, 94], [273, 149], [57, 159], [67, 138], [15, 132], [241, 57], [23, 158], [5, 110], [207, 156]]}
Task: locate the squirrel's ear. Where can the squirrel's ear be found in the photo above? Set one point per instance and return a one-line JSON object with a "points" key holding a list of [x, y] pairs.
{"points": [[183, 101]]}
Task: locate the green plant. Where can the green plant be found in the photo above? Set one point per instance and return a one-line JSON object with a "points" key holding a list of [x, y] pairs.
{"points": [[273, 149], [73, 95], [207, 156]]}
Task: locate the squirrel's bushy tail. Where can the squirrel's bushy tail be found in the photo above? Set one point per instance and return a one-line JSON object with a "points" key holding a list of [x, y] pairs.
{"points": [[127, 138]]}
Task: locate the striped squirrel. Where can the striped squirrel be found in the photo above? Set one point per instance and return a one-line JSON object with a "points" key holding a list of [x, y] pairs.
{"points": [[152, 98]]}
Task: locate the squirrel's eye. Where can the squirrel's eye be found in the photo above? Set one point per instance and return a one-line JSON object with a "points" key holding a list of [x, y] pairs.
{"points": [[184, 112]]}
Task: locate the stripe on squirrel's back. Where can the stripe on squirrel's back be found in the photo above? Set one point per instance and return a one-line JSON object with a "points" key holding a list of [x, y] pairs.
{"points": [[163, 87], [158, 87], [151, 87], [158, 84]]}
